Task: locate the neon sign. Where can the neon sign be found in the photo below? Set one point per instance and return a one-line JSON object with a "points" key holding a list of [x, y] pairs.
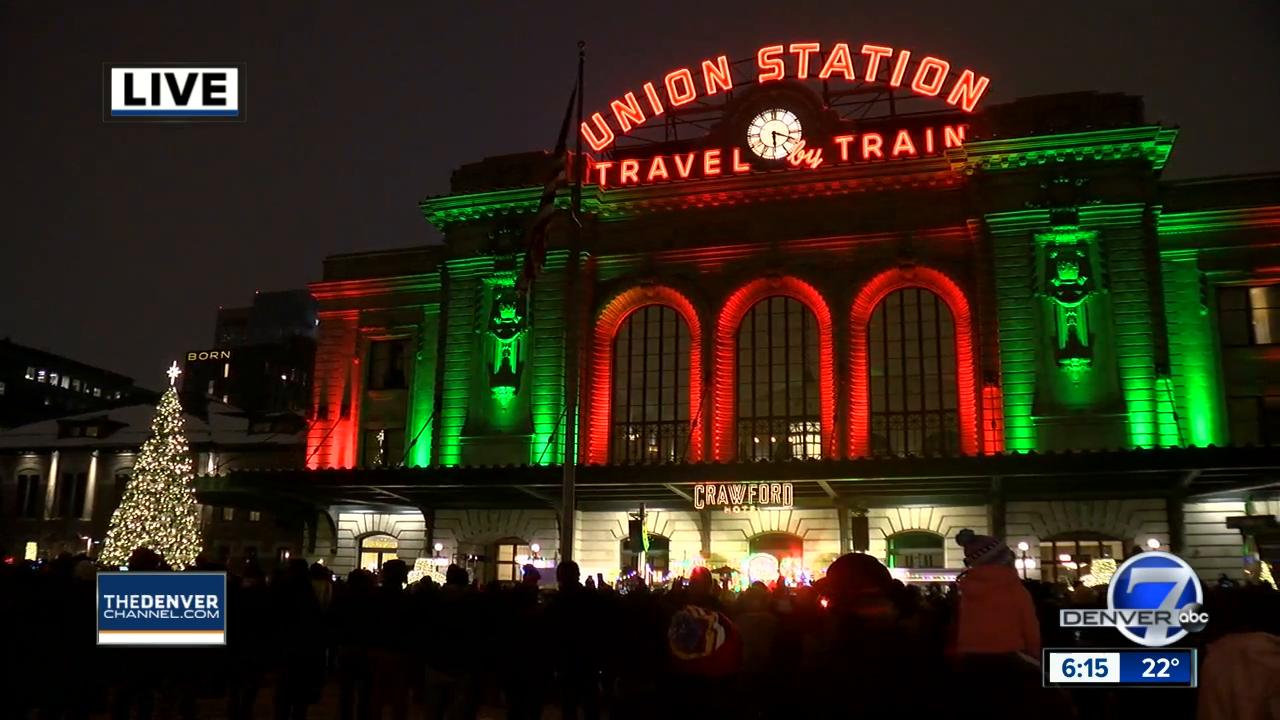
{"points": [[710, 163], [870, 64], [742, 497]]}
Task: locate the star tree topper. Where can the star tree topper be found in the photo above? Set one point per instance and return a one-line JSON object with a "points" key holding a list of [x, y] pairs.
{"points": [[173, 372]]}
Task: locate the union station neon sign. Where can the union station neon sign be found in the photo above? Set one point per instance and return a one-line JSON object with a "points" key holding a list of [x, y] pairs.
{"points": [[776, 137]]}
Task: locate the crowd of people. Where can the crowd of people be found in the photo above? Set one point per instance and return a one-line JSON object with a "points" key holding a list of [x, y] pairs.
{"points": [[857, 644]]}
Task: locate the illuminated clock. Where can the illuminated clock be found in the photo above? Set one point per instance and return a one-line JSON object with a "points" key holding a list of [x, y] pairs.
{"points": [[774, 133]]}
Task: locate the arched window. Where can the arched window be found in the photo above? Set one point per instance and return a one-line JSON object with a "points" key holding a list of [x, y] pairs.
{"points": [[913, 397], [377, 549], [658, 556], [778, 388], [916, 549], [650, 387], [778, 544], [1067, 557]]}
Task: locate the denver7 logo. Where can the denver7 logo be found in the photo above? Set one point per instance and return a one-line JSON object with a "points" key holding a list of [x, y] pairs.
{"points": [[1160, 582]]}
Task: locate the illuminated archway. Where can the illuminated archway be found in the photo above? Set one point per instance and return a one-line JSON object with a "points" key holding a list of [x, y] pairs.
{"points": [[724, 441], [600, 372], [859, 387]]}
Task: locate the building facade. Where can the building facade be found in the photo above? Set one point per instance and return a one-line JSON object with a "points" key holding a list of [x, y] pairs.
{"points": [[261, 357], [36, 384], [905, 325], [62, 479]]}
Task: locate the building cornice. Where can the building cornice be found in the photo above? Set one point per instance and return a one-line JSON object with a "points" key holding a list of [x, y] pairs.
{"points": [[346, 289], [1151, 143]]}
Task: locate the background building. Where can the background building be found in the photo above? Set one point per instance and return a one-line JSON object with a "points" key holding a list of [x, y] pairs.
{"points": [[36, 384], [1026, 332], [61, 480], [261, 359]]}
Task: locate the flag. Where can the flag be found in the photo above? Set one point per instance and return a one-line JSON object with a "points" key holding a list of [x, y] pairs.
{"points": [[536, 239]]}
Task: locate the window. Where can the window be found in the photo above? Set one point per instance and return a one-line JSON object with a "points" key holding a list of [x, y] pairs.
{"points": [[651, 387], [40, 376], [912, 347], [31, 373], [254, 516], [1255, 420], [658, 556], [916, 550], [386, 364], [228, 514], [66, 382], [71, 494], [75, 385], [778, 393], [30, 500], [97, 391], [1065, 558], [2, 387], [383, 447], [53, 378], [377, 549], [505, 553], [1249, 315]]}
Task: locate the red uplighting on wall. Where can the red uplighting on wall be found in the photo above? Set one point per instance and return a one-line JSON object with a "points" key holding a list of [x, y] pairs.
{"points": [[859, 364], [600, 370], [724, 440]]}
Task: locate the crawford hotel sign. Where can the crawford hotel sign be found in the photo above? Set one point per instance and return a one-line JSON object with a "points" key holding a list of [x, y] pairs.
{"points": [[780, 130]]}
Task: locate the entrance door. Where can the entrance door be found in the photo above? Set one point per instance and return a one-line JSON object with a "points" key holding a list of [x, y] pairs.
{"points": [[377, 549]]}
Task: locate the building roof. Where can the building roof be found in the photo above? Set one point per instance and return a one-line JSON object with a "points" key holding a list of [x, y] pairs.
{"points": [[225, 426]]}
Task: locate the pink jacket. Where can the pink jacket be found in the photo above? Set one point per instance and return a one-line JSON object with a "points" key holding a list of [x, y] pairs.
{"points": [[996, 613]]}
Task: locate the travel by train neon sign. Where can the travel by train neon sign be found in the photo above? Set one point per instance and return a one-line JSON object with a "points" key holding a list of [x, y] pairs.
{"points": [[776, 136]]}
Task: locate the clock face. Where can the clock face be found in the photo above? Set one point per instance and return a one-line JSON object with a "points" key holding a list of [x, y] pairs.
{"points": [[774, 133]]}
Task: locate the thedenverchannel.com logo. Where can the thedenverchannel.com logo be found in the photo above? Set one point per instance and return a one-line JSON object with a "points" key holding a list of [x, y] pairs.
{"points": [[1155, 599], [162, 608]]}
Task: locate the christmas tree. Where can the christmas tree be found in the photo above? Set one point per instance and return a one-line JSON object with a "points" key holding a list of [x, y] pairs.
{"points": [[159, 509]]}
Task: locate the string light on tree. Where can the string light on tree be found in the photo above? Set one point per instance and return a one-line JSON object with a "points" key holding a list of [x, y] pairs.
{"points": [[159, 509]]}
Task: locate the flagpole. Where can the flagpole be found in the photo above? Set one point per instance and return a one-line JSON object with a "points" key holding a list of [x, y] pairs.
{"points": [[568, 500]]}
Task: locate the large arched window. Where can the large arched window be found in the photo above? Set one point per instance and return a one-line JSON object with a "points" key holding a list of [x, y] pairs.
{"points": [[911, 366], [643, 393], [650, 387], [778, 389], [912, 347]]}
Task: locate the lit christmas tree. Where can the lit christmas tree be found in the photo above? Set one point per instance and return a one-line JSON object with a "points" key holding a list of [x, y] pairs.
{"points": [[159, 509]]}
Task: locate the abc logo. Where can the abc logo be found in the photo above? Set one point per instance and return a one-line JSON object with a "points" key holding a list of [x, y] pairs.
{"points": [[1168, 588], [1192, 618]]}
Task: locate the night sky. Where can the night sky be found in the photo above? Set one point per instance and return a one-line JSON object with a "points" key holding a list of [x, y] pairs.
{"points": [[120, 241]]}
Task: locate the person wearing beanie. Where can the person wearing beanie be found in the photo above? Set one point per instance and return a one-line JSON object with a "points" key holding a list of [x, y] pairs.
{"points": [[996, 612]]}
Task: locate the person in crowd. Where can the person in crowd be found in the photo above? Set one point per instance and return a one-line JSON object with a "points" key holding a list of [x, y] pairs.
{"points": [[860, 646], [997, 632], [1240, 673], [451, 660], [573, 623], [299, 657], [392, 665], [356, 623], [996, 613]]}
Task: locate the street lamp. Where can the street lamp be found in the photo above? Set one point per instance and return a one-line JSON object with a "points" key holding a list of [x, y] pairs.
{"points": [[1023, 547]]}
